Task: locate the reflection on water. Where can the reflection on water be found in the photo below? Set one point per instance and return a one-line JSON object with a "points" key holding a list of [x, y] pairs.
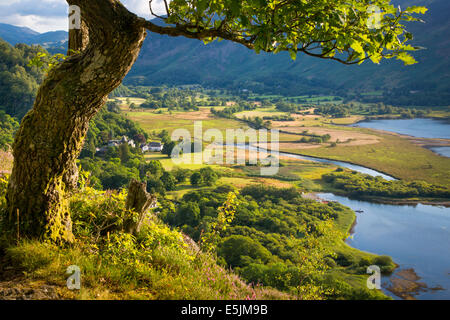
{"points": [[415, 237], [422, 128], [443, 151]]}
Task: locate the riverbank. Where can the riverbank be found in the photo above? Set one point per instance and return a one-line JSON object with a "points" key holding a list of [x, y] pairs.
{"points": [[406, 284], [394, 155], [382, 200], [413, 235], [329, 160]]}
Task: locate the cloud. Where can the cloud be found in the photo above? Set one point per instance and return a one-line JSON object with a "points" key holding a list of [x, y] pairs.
{"points": [[141, 7], [50, 15], [37, 23]]}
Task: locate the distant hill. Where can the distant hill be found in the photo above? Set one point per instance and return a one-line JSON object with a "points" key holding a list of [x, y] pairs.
{"points": [[15, 35], [168, 60], [165, 59]]}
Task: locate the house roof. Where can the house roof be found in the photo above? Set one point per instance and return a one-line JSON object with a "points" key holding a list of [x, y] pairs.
{"points": [[154, 144]]}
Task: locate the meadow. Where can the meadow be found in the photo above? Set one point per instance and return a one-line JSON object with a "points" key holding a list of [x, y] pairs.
{"points": [[389, 153]]}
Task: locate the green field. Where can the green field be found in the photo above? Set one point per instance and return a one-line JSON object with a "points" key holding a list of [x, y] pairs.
{"points": [[393, 155], [388, 153]]}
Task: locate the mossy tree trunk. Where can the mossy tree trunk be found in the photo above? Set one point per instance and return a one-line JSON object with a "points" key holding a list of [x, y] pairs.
{"points": [[139, 201], [51, 135]]}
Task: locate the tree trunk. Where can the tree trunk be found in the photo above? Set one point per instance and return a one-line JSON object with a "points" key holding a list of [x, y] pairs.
{"points": [[51, 135], [138, 200]]}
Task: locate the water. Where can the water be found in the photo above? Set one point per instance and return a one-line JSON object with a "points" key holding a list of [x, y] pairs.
{"points": [[343, 164], [415, 237], [443, 151], [422, 128]]}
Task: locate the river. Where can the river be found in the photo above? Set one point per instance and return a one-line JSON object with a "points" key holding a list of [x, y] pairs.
{"points": [[343, 164], [415, 237], [419, 127]]}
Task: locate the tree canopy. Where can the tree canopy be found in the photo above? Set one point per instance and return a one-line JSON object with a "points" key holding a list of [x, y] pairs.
{"points": [[348, 31]]}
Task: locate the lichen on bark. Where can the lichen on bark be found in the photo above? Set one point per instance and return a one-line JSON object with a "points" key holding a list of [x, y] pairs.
{"points": [[51, 135]]}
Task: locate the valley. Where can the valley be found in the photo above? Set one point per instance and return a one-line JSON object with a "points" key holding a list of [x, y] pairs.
{"points": [[386, 151], [154, 167]]}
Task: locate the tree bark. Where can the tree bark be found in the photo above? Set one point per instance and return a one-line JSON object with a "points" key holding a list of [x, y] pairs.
{"points": [[51, 135], [138, 200], [78, 41]]}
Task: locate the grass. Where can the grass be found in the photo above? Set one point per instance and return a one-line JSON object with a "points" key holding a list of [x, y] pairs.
{"points": [[169, 164], [168, 277], [156, 122], [158, 263], [260, 112], [393, 155]]}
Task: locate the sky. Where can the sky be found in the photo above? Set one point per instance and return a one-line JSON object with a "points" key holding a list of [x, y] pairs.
{"points": [[51, 15]]}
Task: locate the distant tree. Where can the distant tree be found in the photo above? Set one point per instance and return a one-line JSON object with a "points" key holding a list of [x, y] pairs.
{"points": [[113, 106], [154, 167], [196, 179], [209, 176], [8, 128], [168, 147], [124, 153], [188, 213], [239, 251], [169, 181], [139, 138], [181, 174]]}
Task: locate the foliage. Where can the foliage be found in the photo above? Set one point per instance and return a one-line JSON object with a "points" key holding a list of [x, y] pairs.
{"points": [[97, 212], [225, 215], [43, 60], [109, 173], [157, 263], [339, 30], [344, 110], [109, 125], [275, 237], [357, 184], [18, 81], [8, 127], [204, 177]]}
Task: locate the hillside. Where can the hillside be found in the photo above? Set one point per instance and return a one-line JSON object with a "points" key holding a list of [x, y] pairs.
{"points": [[15, 35], [224, 64], [18, 82], [167, 60]]}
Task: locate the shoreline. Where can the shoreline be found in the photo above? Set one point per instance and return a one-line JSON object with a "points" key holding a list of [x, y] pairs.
{"points": [[381, 200], [403, 282], [326, 158]]}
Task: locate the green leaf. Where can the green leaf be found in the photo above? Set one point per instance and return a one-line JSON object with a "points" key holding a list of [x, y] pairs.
{"points": [[293, 54], [406, 58], [416, 9]]}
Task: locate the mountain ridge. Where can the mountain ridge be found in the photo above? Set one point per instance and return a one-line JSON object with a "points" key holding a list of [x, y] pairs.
{"points": [[179, 61], [14, 35]]}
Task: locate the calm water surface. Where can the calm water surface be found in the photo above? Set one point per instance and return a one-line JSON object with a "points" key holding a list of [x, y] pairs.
{"points": [[443, 151], [415, 237], [422, 128]]}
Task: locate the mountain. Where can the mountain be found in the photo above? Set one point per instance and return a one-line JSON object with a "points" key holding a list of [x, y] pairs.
{"points": [[169, 60], [15, 35]]}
